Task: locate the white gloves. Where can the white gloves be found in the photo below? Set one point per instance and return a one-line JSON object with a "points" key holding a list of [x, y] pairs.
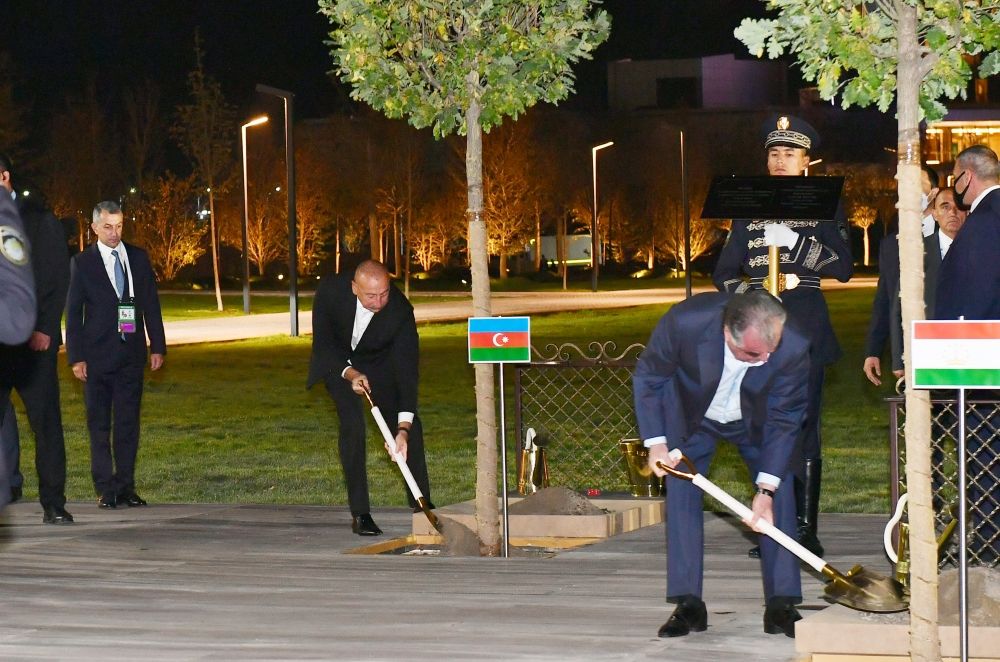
{"points": [[779, 234]]}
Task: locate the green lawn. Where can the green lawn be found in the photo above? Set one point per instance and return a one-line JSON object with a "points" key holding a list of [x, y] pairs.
{"points": [[233, 422]]}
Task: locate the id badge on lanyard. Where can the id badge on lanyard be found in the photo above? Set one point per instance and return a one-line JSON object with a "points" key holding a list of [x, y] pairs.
{"points": [[126, 315]]}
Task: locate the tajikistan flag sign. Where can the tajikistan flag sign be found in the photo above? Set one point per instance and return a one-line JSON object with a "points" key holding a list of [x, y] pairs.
{"points": [[499, 340], [956, 354]]}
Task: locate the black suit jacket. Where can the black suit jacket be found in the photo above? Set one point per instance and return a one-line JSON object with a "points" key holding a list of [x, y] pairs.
{"points": [[92, 312], [50, 262], [932, 265], [388, 348], [882, 305], [679, 371], [969, 280]]}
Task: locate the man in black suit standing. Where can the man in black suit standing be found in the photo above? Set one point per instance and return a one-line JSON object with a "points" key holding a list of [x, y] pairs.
{"points": [[365, 339], [721, 366], [949, 219], [112, 305], [31, 368]]}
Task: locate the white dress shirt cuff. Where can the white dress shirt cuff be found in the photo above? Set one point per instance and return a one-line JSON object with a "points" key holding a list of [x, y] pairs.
{"points": [[768, 479], [654, 441], [405, 417]]}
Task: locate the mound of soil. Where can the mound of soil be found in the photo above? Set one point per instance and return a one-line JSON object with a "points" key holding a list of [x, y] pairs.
{"points": [[555, 501]]}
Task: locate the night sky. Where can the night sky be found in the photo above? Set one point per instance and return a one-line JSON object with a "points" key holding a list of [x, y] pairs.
{"points": [[58, 45]]}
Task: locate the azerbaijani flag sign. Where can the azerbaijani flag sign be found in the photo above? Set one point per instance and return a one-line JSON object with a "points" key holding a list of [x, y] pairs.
{"points": [[956, 354], [499, 340]]}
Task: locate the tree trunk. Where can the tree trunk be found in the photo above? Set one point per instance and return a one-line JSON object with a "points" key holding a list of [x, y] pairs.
{"points": [[864, 234], [503, 263], [215, 245], [538, 237], [925, 643], [487, 511], [561, 248], [374, 239], [336, 250]]}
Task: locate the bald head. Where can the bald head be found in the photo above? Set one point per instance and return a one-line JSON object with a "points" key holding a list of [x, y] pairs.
{"points": [[371, 285]]}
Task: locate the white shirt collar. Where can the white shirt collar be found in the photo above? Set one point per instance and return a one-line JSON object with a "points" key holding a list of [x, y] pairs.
{"points": [[979, 198], [945, 242]]}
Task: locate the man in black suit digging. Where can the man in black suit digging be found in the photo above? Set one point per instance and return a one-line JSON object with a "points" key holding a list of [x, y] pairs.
{"points": [[365, 339], [111, 306]]}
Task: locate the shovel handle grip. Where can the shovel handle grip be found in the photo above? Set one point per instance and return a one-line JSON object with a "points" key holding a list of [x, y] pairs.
{"points": [[764, 527], [391, 442]]}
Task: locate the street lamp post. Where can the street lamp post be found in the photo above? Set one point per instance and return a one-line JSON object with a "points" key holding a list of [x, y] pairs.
{"points": [[293, 242], [594, 243], [246, 211]]}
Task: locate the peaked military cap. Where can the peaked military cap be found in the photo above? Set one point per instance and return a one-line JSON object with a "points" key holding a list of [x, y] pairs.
{"points": [[789, 131]]}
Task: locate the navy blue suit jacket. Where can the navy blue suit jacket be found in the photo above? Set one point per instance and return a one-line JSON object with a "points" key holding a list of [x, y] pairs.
{"points": [[969, 280], [679, 371], [92, 313]]}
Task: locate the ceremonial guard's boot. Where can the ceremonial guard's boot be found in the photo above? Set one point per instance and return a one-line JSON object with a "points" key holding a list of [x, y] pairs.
{"points": [[807, 494]]}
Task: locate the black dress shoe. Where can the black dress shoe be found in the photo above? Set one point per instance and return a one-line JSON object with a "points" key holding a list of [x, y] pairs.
{"points": [[364, 525], [754, 552], [809, 540], [107, 501], [689, 616], [15, 494], [56, 515], [131, 500], [780, 616]]}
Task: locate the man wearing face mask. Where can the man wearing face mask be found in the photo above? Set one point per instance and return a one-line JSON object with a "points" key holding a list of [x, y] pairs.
{"points": [[809, 250], [969, 280], [968, 286]]}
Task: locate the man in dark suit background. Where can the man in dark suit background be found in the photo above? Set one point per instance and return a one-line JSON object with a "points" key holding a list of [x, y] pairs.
{"points": [[886, 298], [112, 305], [948, 219], [968, 286], [31, 368], [722, 366], [365, 339]]}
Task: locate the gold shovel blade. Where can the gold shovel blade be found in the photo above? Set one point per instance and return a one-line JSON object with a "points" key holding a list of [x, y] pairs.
{"points": [[864, 590]]}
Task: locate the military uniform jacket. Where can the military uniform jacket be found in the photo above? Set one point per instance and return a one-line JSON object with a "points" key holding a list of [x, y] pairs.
{"points": [[17, 283], [821, 251]]}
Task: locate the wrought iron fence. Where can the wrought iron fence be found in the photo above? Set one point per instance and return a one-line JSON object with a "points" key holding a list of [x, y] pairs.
{"points": [[580, 404], [982, 429]]}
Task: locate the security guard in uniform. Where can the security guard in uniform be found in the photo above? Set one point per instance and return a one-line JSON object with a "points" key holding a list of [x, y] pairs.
{"points": [[17, 300], [808, 250]]}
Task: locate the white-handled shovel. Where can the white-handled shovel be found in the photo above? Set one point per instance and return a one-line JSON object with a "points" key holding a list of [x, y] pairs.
{"points": [[401, 463], [858, 589]]}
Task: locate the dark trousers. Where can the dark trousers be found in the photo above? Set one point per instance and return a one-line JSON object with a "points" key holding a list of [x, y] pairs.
{"points": [[10, 448], [35, 377], [113, 400], [811, 442], [685, 519], [351, 412]]}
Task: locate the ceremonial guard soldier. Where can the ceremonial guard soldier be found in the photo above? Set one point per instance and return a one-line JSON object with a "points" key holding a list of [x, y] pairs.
{"points": [[808, 250]]}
